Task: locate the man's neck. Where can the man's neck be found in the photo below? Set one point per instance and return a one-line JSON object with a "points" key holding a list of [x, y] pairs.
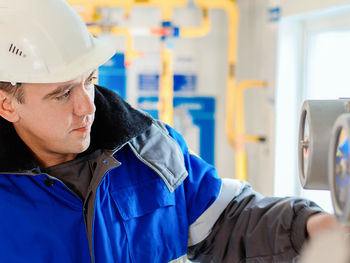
{"points": [[52, 160]]}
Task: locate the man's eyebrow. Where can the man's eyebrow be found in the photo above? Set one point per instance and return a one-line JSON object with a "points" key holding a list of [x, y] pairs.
{"points": [[91, 75], [62, 88], [57, 91]]}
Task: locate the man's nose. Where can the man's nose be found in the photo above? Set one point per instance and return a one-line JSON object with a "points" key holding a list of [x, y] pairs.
{"points": [[84, 102]]}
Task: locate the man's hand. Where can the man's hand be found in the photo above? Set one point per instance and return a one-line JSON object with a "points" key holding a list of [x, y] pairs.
{"points": [[320, 222], [328, 241]]}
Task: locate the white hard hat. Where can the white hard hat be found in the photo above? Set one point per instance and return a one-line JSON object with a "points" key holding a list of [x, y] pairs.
{"points": [[45, 41]]}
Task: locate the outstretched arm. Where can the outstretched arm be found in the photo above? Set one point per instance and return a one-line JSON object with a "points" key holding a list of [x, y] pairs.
{"points": [[230, 222], [253, 228]]}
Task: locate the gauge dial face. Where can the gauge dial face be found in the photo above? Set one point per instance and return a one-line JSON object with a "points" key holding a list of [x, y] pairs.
{"points": [[342, 177], [306, 147]]}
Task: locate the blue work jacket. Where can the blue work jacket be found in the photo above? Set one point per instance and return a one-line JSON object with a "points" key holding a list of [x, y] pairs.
{"points": [[142, 213], [150, 201]]}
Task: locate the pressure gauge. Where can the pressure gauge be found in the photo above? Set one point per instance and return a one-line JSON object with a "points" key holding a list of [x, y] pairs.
{"points": [[316, 122], [304, 146], [339, 168]]}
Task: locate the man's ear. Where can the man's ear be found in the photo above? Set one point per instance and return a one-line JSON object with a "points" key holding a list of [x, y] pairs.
{"points": [[7, 107]]}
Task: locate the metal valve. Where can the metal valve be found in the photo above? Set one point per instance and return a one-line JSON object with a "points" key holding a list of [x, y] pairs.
{"points": [[316, 122], [339, 168]]}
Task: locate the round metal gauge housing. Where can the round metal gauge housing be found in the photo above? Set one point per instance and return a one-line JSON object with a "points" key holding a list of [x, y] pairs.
{"points": [[339, 168], [304, 147], [315, 127]]}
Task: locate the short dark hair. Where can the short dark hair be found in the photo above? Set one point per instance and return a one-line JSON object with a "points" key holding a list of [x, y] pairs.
{"points": [[16, 90]]}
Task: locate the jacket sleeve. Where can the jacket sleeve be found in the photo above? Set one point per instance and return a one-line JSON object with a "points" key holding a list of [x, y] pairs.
{"points": [[230, 222], [253, 228]]}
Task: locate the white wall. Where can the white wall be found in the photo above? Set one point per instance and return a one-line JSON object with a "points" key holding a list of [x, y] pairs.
{"points": [[302, 7], [299, 22], [257, 60], [260, 44]]}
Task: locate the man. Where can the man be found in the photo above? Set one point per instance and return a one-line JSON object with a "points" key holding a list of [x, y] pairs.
{"points": [[86, 178]]}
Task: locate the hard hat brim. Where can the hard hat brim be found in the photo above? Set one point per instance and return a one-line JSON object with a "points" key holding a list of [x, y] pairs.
{"points": [[104, 49]]}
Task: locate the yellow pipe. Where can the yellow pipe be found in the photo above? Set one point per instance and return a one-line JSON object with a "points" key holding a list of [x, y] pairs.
{"points": [[234, 99], [166, 109], [237, 138], [201, 31], [95, 30], [130, 53], [165, 5], [166, 78], [124, 3], [166, 13], [230, 111], [233, 17], [239, 105], [86, 11], [253, 138], [241, 165], [232, 13], [166, 85], [238, 131]]}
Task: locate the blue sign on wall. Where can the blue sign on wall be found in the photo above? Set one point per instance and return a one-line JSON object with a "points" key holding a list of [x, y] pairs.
{"points": [[274, 14], [193, 113], [150, 82], [112, 75]]}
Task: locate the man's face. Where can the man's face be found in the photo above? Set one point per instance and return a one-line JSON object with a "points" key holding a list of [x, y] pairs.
{"points": [[55, 119]]}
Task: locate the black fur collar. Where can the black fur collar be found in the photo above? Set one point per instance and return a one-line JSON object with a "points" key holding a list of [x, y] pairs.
{"points": [[115, 123]]}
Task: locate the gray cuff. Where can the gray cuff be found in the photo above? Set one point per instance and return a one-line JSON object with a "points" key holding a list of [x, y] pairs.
{"points": [[298, 229]]}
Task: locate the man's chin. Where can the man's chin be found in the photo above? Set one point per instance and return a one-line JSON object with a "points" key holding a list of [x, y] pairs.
{"points": [[83, 146]]}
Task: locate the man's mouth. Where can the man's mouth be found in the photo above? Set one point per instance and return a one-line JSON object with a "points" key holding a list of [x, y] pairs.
{"points": [[84, 127]]}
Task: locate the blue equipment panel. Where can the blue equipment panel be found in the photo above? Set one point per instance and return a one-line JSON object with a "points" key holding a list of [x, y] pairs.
{"points": [[112, 75], [150, 82], [201, 112]]}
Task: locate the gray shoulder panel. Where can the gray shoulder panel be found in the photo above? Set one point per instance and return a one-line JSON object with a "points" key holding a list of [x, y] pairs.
{"points": [[157, 149]]}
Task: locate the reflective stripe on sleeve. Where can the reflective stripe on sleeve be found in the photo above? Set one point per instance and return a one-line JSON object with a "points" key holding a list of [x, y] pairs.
{"points": [[201, 228], [182, 259]]}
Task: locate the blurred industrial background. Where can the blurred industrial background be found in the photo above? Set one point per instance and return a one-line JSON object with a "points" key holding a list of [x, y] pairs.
{"points": [[230, 76]]}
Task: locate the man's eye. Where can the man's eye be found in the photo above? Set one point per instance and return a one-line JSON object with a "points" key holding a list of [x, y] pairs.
{"points": [[90, 80], [64, 95]]}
